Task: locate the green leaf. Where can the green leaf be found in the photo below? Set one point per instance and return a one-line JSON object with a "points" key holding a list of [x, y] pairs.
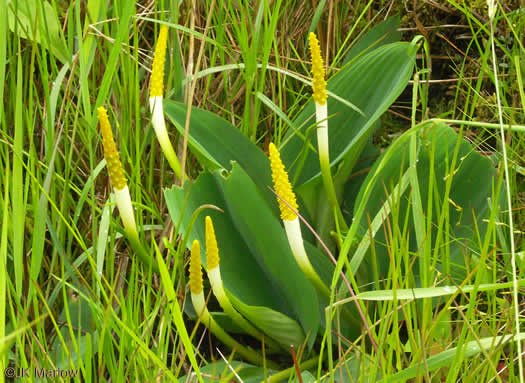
{"points": [[257, 265], [267, 240], [371, 83], [472, 180], [205, 190], [306, 377], [217, 143], [355, 180], [78, 333], [222, 319], [431, 292], [356, 368], [221, 370], [176, 312], [321, 262], [381, 34], [177, 71], [22, 16], [445, 358], [283, 329]]}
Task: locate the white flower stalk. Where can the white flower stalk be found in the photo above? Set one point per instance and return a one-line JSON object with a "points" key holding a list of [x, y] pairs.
{"points": [[321, 113], [214, 275], [155, 102], [283, 188], [319, 95], [199, 303], [492, 7], [125, 209], [321, 116], [116, 174], [120, 187]]}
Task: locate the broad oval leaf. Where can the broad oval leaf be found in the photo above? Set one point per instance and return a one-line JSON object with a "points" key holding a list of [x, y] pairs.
{"points": [[257, 265], [234, 266], [38, 21], [371, 83], [278, 326], [472, 177], [386, 32], [216, 143]]}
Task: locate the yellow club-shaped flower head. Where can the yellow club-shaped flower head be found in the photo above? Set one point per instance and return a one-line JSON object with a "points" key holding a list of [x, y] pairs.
{"points": [[157, 72], [319, 83], [195, 268], [116, 173], [212, 250], [282, 185]]}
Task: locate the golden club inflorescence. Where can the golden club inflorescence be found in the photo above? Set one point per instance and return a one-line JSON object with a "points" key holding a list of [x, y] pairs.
{"points": [[116, 173], [318, 80], [212, 250], [195, 268], [282, 185], [159, 58]]}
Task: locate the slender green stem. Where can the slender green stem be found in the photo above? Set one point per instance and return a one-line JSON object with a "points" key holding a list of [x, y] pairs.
{"points": [[130, 227], [285, 374], [326, 174], [159, 125], [477, 124], [295, 239], [515, 295], [415, 194], [206, 318], [144, 256], [217, 286]]}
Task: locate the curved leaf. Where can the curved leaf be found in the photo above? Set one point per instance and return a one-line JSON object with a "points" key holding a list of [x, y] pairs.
{"points": [[472, 183], [445, 358], [204, 190], [371, 83], [432, 292], [38, 21], [220, 370], [385, 32], [266, 238], [278, 326], [216, 143], [257, 265]]}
